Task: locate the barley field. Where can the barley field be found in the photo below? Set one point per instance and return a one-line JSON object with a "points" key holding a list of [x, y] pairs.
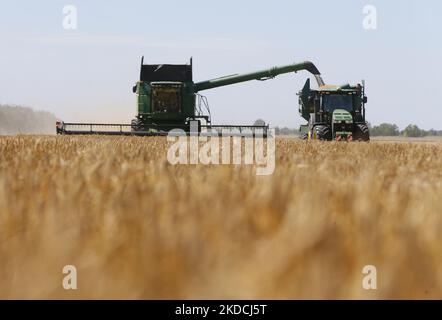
{"points": [[135, 226]]}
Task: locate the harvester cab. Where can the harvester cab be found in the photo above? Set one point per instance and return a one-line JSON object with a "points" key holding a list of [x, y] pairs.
{"points": [[165, 98], [334, 112]]}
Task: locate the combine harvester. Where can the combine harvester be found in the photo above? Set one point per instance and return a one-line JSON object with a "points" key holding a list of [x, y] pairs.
{"points": [[168, 98]]}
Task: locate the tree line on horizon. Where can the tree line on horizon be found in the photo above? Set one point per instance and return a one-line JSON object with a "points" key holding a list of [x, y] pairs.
{"points": [[383, 129], [392, 130], [18, 119]]}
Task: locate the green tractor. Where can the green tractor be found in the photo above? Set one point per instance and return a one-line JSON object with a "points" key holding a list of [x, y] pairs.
{"points": [[334, 112]]}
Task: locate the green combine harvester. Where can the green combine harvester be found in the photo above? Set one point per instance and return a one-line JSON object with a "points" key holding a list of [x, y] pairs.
{"points": [[168, 98]]}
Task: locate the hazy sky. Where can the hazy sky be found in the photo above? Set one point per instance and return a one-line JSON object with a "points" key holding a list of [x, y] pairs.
{"points": [[87, 74]]}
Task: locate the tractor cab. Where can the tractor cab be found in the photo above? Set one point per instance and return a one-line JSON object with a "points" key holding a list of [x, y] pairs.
{"points": [[334, 101]]}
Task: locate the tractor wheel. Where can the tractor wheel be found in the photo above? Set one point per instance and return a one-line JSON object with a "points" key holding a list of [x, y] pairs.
{"points": [[303, 136], [361, 133], [323, 132]]}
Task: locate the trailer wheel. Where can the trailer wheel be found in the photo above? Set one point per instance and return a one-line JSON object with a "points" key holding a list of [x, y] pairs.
{"points": [[361, 132]]}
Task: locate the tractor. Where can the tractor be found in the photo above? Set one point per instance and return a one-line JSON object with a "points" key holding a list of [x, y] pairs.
{"points": [[334, 112]]}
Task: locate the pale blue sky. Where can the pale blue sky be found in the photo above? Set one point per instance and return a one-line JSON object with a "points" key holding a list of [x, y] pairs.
{"points": [[87, 74]]}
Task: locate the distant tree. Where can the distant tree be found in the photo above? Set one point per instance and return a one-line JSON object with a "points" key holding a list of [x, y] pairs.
{"points": [[286, 131], [385, 129], [277, 131], [434, 133], [259, 122], [413, 130]]}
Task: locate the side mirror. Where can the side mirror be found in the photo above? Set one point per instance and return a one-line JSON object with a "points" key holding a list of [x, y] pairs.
{"points": [[134, 89], [365, 99]]}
